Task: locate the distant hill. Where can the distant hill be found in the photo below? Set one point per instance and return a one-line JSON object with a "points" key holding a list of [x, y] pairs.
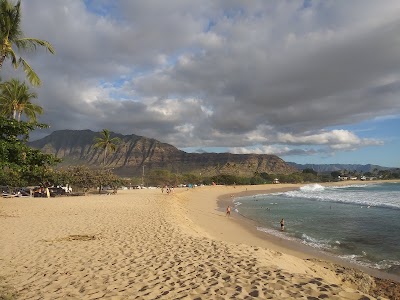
{"points": [[321, 168], [75, 147]]}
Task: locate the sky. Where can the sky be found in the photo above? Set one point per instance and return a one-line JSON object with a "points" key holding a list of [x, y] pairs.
{"points": [[310, 81]]}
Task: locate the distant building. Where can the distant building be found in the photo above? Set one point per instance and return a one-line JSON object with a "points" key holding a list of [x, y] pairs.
{"points": [[276, 180]]}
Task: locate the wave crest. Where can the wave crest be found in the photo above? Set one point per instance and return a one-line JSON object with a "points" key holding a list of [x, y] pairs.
{"points": [[312, 188]]}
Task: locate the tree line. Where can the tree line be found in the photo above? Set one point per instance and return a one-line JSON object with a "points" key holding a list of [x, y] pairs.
{"points": [[165, 177]]}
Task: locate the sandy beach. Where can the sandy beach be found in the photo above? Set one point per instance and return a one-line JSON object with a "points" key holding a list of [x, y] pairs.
{"points": [[142, 244]]}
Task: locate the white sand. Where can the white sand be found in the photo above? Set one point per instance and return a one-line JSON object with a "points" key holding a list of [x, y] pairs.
{"points": [[141, 244]]}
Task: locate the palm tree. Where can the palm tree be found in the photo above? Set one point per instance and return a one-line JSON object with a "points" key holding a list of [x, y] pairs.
{"points": [[15, 99], [12, 35], [106, 143], [29, 109]]}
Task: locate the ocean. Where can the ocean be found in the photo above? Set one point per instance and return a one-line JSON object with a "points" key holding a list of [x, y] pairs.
{"points": [[358, 223]]}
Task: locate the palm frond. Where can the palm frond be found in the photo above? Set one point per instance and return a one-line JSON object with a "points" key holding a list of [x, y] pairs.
{"points": [[32, 76], [10, 20], [14, 61], [11, 36], [115, 140], [32, 43], [99, 144], [106, 143], [15, 97]]}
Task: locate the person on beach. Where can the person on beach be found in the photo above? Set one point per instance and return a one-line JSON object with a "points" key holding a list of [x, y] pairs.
{"points": [[282, 224], [228, 211]]}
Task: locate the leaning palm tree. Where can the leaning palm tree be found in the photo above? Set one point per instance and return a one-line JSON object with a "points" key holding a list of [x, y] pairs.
{"points": [[106, 143], [15, 100], [11, 35]]}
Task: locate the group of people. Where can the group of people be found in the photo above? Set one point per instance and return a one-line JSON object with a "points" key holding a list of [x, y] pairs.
{"points": [[41, 192], [168, 189]]}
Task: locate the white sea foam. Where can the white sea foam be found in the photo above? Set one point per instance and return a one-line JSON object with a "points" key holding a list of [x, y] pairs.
{"points": [[386, 264], [362, 195], [305, 239], [324, 246], [351, 257], [308, 227], [361, 260], [276, 233], [350, 186], [315, 243], [312, 188]]}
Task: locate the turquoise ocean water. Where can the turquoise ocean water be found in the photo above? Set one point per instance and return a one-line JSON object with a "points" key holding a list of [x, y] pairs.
{"points": [[358, 223]]}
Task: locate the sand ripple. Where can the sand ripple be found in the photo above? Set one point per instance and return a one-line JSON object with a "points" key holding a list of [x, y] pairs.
{"points": [[135, 247]]}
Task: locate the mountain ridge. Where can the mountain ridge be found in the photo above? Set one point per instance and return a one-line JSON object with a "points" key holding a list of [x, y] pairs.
{"points": [[76, 147], [324, 168]]}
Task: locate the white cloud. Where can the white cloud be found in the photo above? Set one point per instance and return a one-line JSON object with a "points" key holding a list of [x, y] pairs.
{"points": [[334, 139], [328, 143], [228, 73], [275, 150], [260, 150]]}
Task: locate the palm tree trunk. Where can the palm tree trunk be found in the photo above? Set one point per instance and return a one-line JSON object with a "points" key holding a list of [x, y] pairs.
{"points": [[15, 114], [105, 154]]}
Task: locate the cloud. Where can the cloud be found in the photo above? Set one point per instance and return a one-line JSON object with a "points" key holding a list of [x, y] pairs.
{"points": [[327, 142], [227, 73], [336, 139], [275, 150]]}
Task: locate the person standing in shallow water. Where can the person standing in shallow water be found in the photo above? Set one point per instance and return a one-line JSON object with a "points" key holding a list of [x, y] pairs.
{"points": [[228, 211], [282, 224]]}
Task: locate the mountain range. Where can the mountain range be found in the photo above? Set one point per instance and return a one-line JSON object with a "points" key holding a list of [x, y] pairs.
{"points": [[137, 154], [326, 168]]}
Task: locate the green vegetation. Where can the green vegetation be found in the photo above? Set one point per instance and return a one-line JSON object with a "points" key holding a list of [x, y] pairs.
{"points": [[165, 177], [84, 179], [106, 143], [15, 100], [21, 165], [11, 36]]}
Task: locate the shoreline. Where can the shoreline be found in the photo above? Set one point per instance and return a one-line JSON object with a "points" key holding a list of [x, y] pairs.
{"points": [[240, 230], [294, 247]]}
